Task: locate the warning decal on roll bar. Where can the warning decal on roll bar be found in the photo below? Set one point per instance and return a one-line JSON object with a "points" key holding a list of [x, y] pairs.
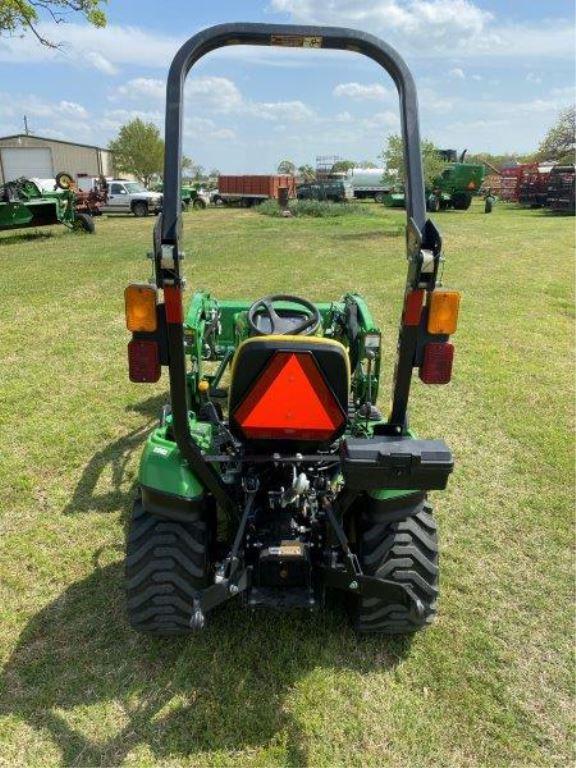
{"points": [[296, 41]]}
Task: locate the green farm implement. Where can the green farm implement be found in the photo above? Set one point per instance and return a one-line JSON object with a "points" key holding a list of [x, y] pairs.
{"points": [[453, 188], [189, 195], [24, 204], [272, 477]]}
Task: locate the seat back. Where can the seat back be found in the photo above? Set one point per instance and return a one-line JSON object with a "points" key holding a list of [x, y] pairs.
{"points": [[289, 388]]}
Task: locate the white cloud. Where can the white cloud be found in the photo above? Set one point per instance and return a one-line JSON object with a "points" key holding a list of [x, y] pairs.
{"points": [[217, 95], [288, 111], [458, 73], [82, 44], [223, 133], [14, 106], [532, 78], [381, 120], [141, 87], [427, 28], [432, 17], [478, 78], [358, 91], [430, 100], [100, 63]]}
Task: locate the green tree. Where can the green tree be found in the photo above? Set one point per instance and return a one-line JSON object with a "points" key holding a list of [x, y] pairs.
{"points": [[342, 166], [139, 150], [307, 172], [499, 161], [186, 164], [393, 158], [558, 144], [20, 16], [286, 168]]}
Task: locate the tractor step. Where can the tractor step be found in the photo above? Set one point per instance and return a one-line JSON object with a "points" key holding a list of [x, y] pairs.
{"points": [[282, 598]]}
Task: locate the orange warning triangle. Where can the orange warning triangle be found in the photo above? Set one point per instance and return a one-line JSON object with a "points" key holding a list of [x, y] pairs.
{"points": [[290, 400]]}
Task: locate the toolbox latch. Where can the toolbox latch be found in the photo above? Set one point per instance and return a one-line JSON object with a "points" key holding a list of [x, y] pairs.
{"points": [[397, 461]]}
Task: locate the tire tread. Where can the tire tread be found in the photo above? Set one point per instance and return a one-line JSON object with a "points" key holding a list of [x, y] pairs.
{"points": [[166, 563]]}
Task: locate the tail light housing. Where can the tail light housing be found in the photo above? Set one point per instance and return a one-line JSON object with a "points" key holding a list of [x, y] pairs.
{"points": [[443, 308], [436, 367], [140, 307], [413, 307], [144, 361]]}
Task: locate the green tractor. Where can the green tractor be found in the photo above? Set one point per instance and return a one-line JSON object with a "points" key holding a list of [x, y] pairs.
{"points": [[189, 195], [272, 478], [453, 188], [456, 185], [24, 204]]}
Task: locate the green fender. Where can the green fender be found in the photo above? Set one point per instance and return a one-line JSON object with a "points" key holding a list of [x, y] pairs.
{"points": [[385, 495], [162, 467]]}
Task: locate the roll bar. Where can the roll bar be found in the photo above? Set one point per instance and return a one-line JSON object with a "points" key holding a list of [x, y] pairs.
{"points": [[423, 241], [331, 38]]}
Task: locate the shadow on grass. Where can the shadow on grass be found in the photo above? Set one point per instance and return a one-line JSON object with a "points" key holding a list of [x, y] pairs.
{"points": [[80, 676], [114, 459], [393, 231], [21, 236]]}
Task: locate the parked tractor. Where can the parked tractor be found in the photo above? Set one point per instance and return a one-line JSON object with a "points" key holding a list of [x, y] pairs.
{"points": [[453, 188], [272, 477], [24, 204], [456, 185], [190, 196]]}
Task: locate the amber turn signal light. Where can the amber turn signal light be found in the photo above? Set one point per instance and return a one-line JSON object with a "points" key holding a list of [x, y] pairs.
{"points": [[443, 312], [140, 305]]}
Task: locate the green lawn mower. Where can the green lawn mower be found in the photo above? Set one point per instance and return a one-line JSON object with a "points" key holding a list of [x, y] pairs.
{"points": [[272, 477], [23, 204]]}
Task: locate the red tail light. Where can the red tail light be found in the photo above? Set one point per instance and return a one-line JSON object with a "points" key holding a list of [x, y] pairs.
{"points": [[413, 307], [290, 400], [143, 361], [436, 365]]}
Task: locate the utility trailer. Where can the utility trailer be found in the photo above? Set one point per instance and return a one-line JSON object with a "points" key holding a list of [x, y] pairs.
{"points": [[251, 190], [560, 194]]}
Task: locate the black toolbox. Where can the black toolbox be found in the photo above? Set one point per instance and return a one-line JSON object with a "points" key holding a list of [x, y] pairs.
{"points": [[396, 462]]}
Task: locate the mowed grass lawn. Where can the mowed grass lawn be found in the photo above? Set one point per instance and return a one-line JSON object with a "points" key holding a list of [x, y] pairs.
{"points": [[489, 685]]}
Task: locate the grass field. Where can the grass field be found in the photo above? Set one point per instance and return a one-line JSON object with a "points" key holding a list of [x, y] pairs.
{"points": [[491, 684]]}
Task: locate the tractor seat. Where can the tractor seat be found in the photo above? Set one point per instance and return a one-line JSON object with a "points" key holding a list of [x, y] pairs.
{"points": [[289, 388]]}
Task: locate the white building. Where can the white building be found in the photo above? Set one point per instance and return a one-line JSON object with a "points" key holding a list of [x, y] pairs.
{"points": [[43, 158]]}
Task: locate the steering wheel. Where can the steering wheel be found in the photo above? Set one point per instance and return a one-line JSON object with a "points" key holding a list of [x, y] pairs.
{"points": [[284, 325]]}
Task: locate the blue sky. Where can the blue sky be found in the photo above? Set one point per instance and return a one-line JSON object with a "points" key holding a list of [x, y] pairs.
{"points": [[491, 75]]}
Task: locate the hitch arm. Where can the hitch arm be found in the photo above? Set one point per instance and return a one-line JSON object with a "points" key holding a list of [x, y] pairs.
{"points": [[350, 578]]}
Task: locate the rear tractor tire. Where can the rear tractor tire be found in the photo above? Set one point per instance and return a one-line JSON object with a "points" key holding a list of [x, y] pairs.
{"points": [[461, 201], [166, 562], [405, 551], [83, 222]]}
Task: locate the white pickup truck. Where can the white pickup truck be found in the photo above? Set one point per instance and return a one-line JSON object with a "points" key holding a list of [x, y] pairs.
{"points": [[124, 196]]}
